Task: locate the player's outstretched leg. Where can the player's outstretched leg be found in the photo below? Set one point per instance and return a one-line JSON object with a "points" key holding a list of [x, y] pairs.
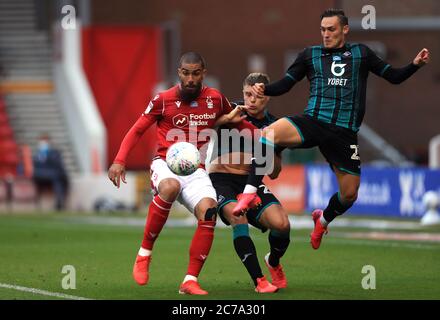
{"points": [[273, 140], [319, 229], [157, 216], [249, 198], [245, 248], [338, 204], [321, 219], [200, 246], [276, 219], [279, 242], [158, 212], [246, 201]]}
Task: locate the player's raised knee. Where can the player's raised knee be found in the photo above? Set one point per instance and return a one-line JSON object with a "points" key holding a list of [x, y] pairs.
{"points": [[206, 210], [282, 226], [349, 196], [279, 223], [169, 189], [210, 214]]}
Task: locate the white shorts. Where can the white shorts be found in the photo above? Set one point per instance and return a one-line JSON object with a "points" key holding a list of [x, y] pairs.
{"points": [[193, 188]]}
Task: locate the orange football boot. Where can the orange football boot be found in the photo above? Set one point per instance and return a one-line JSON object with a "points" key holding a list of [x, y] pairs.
{"points": [[245, 202], [264, 286], [140, 269], [279, 279], [191, 287], [318, 231]]}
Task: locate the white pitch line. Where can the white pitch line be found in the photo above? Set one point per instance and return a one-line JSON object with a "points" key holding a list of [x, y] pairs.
{"points": [[42, 292], [374, 243]]}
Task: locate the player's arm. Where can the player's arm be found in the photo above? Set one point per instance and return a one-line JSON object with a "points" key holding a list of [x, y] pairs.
{"points": [[294, 74], [116, 172], [395, 75]]}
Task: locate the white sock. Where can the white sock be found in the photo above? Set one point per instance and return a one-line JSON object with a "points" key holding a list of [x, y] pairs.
{"points": [[144, 252], [250, 189], [324, 222], [189, 277]]}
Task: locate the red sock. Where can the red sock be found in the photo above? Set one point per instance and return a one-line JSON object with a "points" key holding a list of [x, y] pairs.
{"points": [[200, 246], [157, 216]]}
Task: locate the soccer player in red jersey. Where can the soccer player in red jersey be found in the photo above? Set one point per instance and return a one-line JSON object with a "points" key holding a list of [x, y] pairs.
{"points": [[182, 112]]}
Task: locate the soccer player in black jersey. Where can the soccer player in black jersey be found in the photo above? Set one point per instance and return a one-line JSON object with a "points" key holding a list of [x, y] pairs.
{"points": [[229, 177], [337, 72]]}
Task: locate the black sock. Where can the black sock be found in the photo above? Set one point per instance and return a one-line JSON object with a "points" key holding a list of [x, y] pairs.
{"points": [[245, 248], [335, 208], [279, 242]]}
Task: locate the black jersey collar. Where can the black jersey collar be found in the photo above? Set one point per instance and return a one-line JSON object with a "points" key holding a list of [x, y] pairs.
{"points": [[344, 48]]}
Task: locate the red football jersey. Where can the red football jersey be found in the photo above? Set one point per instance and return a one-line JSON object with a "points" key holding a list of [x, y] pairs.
{"points": [[182, 121], [177, 120]]}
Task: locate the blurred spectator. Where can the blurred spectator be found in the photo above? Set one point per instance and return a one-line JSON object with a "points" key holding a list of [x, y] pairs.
{"points": [[49, 171]]}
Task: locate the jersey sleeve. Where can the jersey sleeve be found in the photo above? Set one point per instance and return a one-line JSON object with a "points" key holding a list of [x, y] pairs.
{"points": [[398, 75], [298, 69], [374, 63], [226, 105], [155, 107], [151, 115]]}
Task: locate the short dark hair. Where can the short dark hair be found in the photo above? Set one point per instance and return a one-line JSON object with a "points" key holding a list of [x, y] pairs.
{"points": [[256, 77], [336, 12], [192, 57]]}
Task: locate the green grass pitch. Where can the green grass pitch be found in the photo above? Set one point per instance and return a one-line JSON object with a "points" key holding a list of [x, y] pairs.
{"points": [[33, 250]]}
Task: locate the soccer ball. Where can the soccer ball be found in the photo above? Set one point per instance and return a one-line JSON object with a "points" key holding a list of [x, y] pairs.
{"points": [[430, 200], [183, 158]]}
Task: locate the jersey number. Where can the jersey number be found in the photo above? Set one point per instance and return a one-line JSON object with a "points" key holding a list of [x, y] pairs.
{"points": [[355, 155]]}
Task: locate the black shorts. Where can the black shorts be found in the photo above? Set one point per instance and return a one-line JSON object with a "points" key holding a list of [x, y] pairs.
{"points": [[228, 186], [338, 145]]}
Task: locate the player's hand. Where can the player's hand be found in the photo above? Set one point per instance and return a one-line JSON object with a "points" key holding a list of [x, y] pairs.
{"points": [[258, 89], [116, 173], [235, 116], [422, 58]]}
